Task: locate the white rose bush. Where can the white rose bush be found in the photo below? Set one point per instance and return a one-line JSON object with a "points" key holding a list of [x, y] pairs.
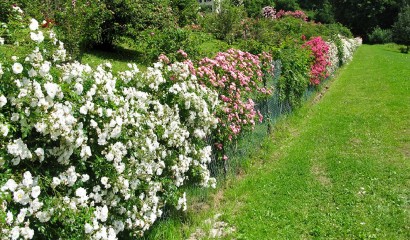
{"points": [[89, 154]]}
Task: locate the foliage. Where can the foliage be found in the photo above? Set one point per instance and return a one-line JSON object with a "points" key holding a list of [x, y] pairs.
{"points": [[185, 10], [379, 35], [401, 28], [129, 17], [225, 25], [168, 41], [287, 5], [253, 8], [362, 16], [325, 13], [295, 73], [78, 23]]}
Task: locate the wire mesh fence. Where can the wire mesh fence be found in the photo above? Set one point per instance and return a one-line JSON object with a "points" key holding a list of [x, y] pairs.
{"points": [[271, 109]]}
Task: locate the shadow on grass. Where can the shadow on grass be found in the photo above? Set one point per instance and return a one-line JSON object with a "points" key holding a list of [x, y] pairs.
{"points": [[117, 53]]}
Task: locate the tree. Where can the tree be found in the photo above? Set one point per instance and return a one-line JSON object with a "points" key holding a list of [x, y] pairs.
{"points": [[287, 5], [401, 28], [362, 16], [185, 10], [254, 7]]}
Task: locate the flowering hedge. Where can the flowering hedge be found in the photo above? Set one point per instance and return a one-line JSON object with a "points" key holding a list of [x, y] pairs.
{"points": [[349, 46], [89, 153], [271, 13], [238, 77], [320, 54]]}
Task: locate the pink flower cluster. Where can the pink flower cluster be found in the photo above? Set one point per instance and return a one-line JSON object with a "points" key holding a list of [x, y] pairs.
{"points": [[296, 14], [320, 54], [238, 78]]}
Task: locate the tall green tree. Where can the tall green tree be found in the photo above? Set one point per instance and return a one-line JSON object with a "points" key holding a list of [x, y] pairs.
{"points": [[401, 28]]}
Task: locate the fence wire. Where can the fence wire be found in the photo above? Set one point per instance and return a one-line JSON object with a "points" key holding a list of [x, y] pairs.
{"points": [[271, 109]]}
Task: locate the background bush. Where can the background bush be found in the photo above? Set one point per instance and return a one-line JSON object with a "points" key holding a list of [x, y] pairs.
{"points": [[379, 35]]}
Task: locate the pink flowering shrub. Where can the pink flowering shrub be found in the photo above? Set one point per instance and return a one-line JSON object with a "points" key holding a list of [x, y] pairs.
{"points": [[296, 14], [238, 78], [320, 54]]}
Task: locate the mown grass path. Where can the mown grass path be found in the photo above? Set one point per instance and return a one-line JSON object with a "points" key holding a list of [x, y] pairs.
{"points": [[338, 168]]}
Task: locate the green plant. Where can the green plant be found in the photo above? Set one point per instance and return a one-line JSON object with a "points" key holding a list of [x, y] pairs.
{"points": [[401, 29], [287, 5], [225, 24], [168, 41], [379, 35], [185, 10], [78, 23], [253, 7], [129, 17], [295, 73]]}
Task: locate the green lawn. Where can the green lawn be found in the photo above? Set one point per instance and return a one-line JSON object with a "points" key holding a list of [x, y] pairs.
{"points": [[339, 168]]}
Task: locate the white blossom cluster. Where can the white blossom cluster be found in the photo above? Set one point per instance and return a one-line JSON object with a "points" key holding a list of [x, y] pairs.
{"points": [[333, 57], [349, 47], [100, 151]]}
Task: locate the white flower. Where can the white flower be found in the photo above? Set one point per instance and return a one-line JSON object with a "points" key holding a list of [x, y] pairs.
{"points": [[43, 216], [85, 152], [88, 228], [81, 193], [32, 73], [35, 191], [85, 177], [3, 101], [1, 41], [21, 215], [78, 88], [28, 179], [9, 218], [45, 68], [52, 89], [17, 68], [35, 205], [21, 197], [33, 25], [15, 233], [37, 37], [34, 36], [101, 213], [27, 232], [56, 182], [40, 153], [10, 185], [4, 130]]}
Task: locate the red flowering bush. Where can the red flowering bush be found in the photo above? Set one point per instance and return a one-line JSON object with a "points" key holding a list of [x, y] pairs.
{"points": [[238, 78], [320, 54]]}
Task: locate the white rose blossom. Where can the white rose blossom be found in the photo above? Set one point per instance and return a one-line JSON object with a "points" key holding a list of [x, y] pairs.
{"points": [[17, 68]]}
